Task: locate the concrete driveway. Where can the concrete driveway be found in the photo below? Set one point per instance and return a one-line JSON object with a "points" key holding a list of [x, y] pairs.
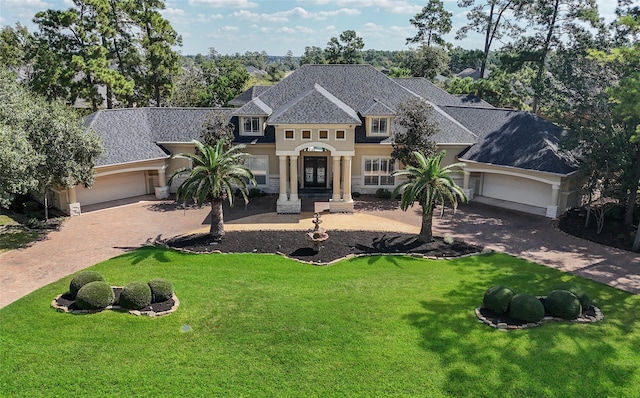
{"points": [[102, 233]]}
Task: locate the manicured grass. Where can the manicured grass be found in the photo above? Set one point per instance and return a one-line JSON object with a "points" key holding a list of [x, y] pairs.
{"points": [[263, 325], [14, 236]]}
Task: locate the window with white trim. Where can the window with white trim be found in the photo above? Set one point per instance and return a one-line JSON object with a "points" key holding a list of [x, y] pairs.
{"points": [[379, 126], [323, 134], [289, 135], [259, 166], [306, 134], [251, 125], [377, 171], [341, 135]]}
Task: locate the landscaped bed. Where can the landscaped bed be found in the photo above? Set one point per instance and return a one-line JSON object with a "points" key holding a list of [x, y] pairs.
{"points": [[264, 325]]}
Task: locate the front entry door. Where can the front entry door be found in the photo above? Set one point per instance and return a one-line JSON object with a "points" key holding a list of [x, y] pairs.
{"points": [[315, 171]]}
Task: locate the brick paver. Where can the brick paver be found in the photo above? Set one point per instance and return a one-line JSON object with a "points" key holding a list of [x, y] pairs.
{"points": [[99, 235]]}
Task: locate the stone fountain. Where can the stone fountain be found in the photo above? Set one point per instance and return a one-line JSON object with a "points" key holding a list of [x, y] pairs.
{"points": [[317, 235]]}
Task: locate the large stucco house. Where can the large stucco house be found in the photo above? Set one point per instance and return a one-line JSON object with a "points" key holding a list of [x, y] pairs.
{"points": [[329, 128]]}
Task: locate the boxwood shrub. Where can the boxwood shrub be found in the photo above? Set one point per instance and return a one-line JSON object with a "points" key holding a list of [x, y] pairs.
{"points": [[563, 304], [526, 308], [497, 299], [95, 295], [82, 279], [161, 290], [135, 295], [585, 300]]}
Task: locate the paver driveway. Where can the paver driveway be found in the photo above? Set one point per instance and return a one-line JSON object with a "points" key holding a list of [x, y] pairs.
{"points": [[102, 234]]}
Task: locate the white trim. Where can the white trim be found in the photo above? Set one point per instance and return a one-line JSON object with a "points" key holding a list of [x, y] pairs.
{"points": [[335, 134], [302, 134], [285, 134], [386, 133], [515, 173], [266, 174], [323, 144], [320, 136], [365, 175], [251, 133]]}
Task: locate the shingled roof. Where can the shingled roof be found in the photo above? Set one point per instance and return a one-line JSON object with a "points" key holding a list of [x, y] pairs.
{"points": [[515, 139], [130, 134], [438, 96]]}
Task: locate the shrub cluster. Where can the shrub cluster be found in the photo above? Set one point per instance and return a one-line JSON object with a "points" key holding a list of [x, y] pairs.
{"points": [[82, 279], [383, 193], [95, 295], [161, 290], [566, 301], [90, 291], [135, 295]]}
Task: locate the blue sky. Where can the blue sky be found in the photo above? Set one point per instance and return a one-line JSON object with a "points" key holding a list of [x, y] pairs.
{"points": [[276, 26]]}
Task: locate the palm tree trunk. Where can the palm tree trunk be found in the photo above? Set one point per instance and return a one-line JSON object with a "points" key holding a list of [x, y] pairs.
{"points": [[426, 232], [217, 219]]}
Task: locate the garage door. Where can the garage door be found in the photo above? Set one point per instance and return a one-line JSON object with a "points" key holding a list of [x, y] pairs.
{"points": [[515, 189], [113, 187]]}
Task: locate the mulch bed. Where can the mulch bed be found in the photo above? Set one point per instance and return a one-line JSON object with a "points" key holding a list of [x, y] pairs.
{"points": [[614, 233], [505, 322], [65, 303], [340, 244]]}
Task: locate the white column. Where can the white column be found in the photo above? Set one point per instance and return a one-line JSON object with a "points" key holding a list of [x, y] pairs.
{"points": [[73, 207], [161, 191], [346, 175], [293, 180], [283, 178], [552, 209], [466, 178], [336, 179]]}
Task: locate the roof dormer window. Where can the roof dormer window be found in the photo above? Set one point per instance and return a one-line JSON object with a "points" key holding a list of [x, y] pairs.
{"points": [[379, 126], [251, 125]]}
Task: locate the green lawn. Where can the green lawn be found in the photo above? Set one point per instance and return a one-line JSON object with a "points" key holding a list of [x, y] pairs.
{"points": [[263, 325]]}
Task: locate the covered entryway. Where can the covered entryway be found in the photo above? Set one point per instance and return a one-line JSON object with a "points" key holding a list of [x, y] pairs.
{"points": [[315, 172]]}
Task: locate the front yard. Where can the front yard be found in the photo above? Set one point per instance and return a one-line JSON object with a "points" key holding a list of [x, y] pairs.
{"points": [[264, 325]]}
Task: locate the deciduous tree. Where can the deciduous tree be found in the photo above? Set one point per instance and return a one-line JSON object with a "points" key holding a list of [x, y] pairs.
{"points": [[413, 130]]}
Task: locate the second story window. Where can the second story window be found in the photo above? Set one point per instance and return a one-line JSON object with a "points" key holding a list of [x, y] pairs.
{"points": [[379, 125], [251, 126]]}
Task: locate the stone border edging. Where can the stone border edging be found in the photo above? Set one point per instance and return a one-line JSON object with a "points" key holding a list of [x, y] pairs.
{"points": [[547, 319], [62, 308]]}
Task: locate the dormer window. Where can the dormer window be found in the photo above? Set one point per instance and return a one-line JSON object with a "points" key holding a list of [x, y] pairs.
{"points": [[251, 125], [379, 126]]}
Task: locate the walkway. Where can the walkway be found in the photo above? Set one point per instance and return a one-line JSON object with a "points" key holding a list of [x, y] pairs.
{"points": [[103, 233]]}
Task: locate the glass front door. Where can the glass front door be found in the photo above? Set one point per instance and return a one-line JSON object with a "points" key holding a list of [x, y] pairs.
{"points": [[315, 172]]}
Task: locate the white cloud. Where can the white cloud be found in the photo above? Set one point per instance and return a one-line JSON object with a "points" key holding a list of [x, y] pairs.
{"points": [[229, 28], [223, 3], [297, 12], [172, 11], [392, 6]]}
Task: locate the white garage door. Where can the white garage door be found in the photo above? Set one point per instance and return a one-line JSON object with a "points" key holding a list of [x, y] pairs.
{"points": [[515, 189], [113, 187]]}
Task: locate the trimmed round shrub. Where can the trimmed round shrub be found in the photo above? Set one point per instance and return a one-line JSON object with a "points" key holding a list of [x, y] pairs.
{"points": [[526, 308], [95, 295], [161, 290], [135, 295], [585, 300], [82, 279], [497, 299], [563, 304]]}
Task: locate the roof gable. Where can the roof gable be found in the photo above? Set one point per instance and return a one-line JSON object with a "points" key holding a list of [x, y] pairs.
{"points": [[314, 106]]}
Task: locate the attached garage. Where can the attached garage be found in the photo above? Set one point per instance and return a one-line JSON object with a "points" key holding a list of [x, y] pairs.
{"points": [[113, 187], [516, 189]]}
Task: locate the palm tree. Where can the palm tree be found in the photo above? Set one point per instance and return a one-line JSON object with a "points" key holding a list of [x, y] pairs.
{"points": [[214, 174], [429, 184]]}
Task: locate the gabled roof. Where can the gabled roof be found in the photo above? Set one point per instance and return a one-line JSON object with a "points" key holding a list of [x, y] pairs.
{"points": [[377, 108], [515, 139], [355, 85], [314, 106], [254, 108], [438, 96], [248, 95], [473, 73], [131, 134]]}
